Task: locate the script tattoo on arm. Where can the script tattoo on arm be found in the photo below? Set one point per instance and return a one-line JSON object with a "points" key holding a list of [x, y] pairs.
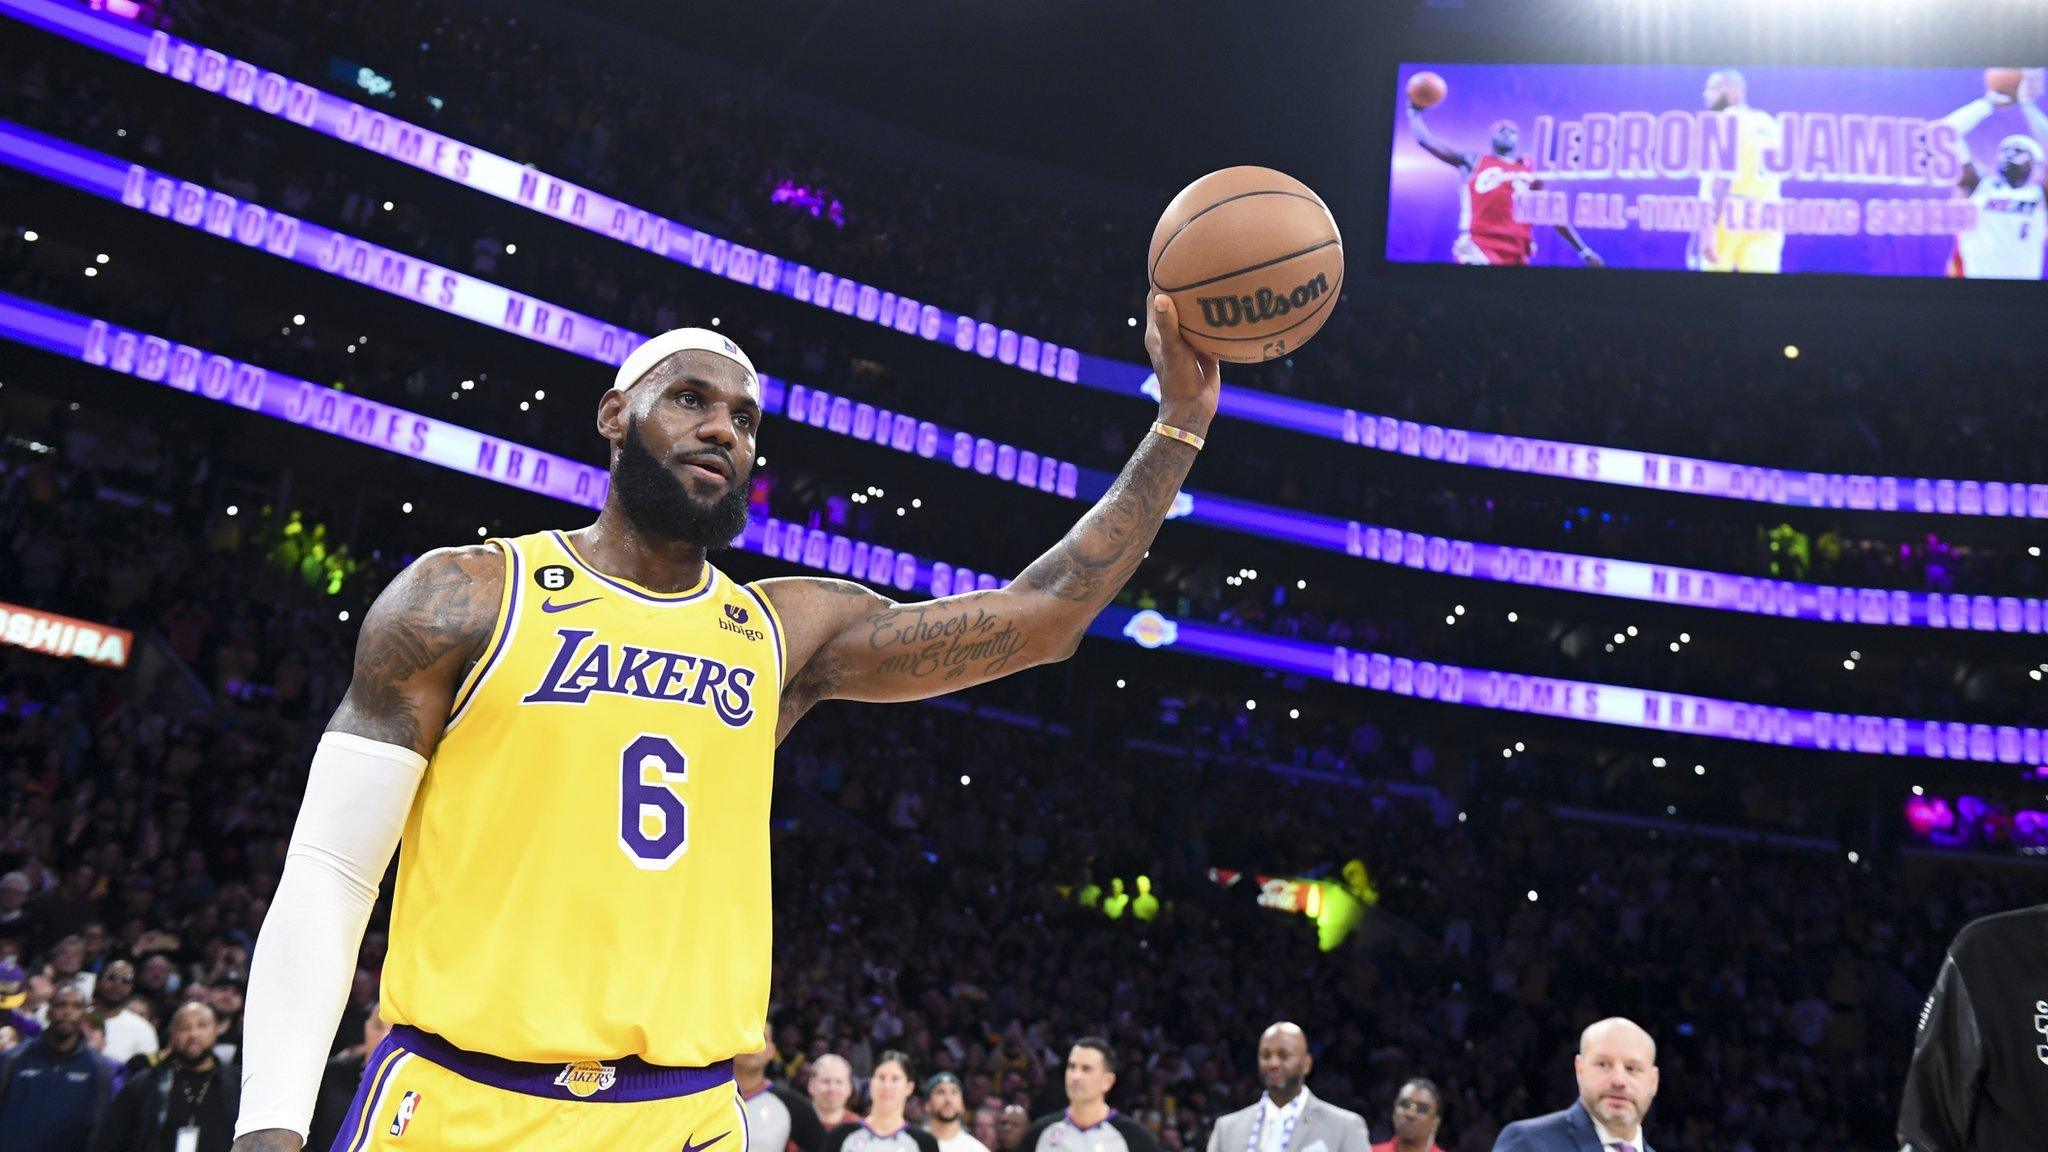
{"points": [[417, 643]]}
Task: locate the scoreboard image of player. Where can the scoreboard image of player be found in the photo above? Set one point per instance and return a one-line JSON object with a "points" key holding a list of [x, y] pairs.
{"points": [[1862, 171]]}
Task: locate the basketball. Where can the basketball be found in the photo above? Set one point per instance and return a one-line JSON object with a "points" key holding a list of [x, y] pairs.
{"points": [[2004, 81], [1252, 260], [1425, 89]]}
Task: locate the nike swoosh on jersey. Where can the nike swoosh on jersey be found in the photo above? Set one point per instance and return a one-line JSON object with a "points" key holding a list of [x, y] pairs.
{"points": [[689, 1147], [551, 606]]}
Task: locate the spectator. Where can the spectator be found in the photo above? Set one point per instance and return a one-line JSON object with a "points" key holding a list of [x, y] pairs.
{"points": [[887, 1128], [184, 1089], [986, 1122], [129, 1032], [14, 919], [1418, 1113], [1981, 1057], [1288, 1117], [54, 1089], [1617, 1072], [1091, 1073], [14, 996], [778, 1118], [831, 1089], [944, 1108], [1012, 1126]]}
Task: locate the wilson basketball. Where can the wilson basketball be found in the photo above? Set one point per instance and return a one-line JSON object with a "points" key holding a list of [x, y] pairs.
{"points": [[2004, 81], [1252, 260], [1425, 89]]}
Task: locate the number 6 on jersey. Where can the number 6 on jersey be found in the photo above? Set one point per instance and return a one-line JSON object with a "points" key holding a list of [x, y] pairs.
{"points": [[647, 769]]}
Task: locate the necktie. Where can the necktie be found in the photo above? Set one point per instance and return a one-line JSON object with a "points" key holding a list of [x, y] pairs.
{"points": [[1624, 1146]]}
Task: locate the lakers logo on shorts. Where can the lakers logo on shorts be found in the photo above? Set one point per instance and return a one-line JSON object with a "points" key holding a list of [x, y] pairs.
{"points": [[586, 1078]]}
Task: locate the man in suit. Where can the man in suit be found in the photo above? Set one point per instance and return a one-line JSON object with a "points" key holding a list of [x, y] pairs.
{"points": [[1617, 1071], [1288, 1118]]}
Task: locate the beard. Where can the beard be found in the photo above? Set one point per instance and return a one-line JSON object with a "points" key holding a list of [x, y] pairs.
{"points": [[657, 504]]}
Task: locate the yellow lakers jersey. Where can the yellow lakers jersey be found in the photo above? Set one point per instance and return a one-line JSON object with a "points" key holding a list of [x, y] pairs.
{"points": [[584, 873]]}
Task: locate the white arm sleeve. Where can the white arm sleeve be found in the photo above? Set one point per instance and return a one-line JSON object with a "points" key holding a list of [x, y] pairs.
{"points": [[356, 803], [1965, 120]]}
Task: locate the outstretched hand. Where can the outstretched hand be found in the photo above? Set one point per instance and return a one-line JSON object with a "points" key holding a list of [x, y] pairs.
{"points": [[1190, 381]]}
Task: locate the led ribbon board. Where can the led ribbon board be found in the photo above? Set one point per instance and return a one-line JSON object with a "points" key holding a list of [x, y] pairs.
{"points": [[483, 302], [277, 95], [252, 388]]}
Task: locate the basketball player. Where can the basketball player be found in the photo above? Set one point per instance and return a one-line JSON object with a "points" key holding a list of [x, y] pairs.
{"points": [[1488, 232], [575, 733], [2007, 242], [1717, 247], [886, 1128]]}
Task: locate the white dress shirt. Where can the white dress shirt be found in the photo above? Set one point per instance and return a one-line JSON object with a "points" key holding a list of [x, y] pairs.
{"points": [[1610, 1140], [1273, 1121]]}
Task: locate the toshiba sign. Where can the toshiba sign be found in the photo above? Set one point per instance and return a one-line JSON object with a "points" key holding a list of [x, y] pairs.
{"points": [[62, 636]]}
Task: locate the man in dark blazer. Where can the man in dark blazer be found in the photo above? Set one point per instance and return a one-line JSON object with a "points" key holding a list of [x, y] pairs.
{"points": [[1617, 1071], [1288, 1118]]}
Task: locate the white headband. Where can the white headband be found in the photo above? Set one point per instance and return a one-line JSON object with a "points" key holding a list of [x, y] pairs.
{"points": [[2021, 140], [646, 356]]}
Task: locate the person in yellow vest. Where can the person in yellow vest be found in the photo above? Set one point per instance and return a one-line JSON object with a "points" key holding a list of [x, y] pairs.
{"points": [[572, 733]]}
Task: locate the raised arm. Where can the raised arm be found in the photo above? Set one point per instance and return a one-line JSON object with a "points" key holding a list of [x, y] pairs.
{"points": [[847, 642], [1462, 161], [417, 643]]}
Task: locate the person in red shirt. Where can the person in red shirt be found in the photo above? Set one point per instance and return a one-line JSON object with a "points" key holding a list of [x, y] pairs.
{"points": [[1418, 1111], [1488, 232]]}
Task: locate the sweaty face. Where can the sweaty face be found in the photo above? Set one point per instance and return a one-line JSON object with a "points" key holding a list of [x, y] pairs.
{"points": [[683, 464]]}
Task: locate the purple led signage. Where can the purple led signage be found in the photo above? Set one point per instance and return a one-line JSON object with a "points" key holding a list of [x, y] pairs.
{"points": [[1972, 822], [277, 95], [819, 203], [483, 302], [247, 386]]}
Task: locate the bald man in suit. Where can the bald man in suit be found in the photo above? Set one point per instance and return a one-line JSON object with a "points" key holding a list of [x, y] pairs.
{"points": [[1288, 1118], [1617, 1072]]}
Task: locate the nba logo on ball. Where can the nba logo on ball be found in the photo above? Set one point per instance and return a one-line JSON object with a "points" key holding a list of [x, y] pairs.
{"points": [[406, 1107], [586, 1078]]}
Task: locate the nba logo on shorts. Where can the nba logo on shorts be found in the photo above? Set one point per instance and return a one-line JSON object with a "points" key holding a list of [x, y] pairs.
{"points": [[406, 1107], [586, 1078]]}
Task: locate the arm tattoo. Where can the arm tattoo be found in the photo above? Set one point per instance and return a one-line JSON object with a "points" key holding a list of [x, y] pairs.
{"points": [[955, 642], [1105, 547], [426, 614]]}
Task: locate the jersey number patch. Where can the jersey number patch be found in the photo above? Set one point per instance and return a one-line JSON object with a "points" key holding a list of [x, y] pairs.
{"points": [[654, 829]]}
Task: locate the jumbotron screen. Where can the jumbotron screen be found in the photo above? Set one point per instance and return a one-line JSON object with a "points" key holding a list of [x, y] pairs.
{"points": [[1870, 171]]}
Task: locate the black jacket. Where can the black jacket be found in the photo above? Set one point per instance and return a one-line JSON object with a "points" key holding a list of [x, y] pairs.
{"points": [[135, 1122], [1979, 1080]]}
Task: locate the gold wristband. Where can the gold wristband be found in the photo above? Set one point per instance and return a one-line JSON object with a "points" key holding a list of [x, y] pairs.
{"points": [[1180, 434]]}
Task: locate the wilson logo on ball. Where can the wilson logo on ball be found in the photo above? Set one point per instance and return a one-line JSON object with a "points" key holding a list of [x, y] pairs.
{"points": [[1265, 304]]}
